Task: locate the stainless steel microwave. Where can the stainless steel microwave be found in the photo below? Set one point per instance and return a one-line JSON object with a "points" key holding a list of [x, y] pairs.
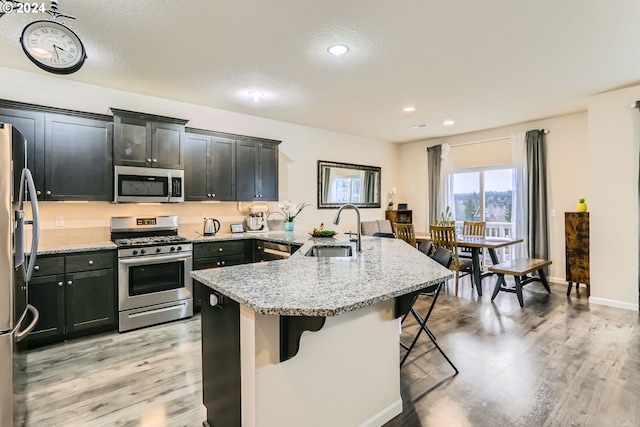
{"points": [[137, 184]]}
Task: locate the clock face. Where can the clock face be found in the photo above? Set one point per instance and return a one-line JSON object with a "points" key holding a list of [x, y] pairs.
{"points": [[53, 47]]}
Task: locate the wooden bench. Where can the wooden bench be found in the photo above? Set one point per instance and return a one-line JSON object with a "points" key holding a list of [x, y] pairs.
{"points": [[519, 268]]}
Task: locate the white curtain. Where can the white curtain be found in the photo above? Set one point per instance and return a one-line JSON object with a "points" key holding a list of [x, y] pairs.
{"points": [[518, 158], [446, 180]]}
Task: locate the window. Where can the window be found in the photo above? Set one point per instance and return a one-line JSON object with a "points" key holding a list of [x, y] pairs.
{"points": [[347, 189], [485, 195]]}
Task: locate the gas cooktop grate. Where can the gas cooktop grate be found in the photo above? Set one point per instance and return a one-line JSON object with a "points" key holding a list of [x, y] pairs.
{"points": [[145, 241]]}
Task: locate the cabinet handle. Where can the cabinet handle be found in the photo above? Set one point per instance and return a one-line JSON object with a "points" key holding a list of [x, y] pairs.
{"points": [[38, 193], [69, 283], [209, 195], [60, 284], [219, 249], [48, 193], [218, 263], [155, 160], [222, 262], [213, 195], [90, 262], [148, 160], [261, 195], [36, 268]]}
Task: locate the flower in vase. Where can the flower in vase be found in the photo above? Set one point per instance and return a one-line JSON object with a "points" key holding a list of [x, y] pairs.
{"points": [[290, 210]]}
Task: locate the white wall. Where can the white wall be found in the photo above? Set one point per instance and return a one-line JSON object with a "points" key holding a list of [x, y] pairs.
{"points": [[300, 150], [612, 170], [567, 157]]}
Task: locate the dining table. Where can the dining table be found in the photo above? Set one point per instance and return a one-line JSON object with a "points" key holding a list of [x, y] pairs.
{"points": [[476, 244]]}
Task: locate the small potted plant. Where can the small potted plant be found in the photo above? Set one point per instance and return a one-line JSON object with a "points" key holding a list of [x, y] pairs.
{"points": [[390, 195], [446, 218], [290, 211]]}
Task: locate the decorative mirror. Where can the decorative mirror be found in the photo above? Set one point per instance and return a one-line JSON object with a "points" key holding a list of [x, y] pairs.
{"points": [[340, 183]]}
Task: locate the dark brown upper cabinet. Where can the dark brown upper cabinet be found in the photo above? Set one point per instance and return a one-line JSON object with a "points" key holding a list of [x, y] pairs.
{"points": [[69, 153], [211, 166], [148, 140], [257, 170]]}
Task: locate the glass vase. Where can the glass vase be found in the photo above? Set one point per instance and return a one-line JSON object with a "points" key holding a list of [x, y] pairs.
{"points": [[288, 226]]}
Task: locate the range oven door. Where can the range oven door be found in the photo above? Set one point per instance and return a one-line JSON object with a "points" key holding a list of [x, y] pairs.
{"points": [[152, 280]]}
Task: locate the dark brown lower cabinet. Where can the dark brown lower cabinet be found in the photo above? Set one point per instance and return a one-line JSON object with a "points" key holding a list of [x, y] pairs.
{"points": [[221, 393], [75, 295], [216, 255]]}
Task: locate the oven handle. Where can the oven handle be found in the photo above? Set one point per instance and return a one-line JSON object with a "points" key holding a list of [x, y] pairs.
{"points": [[154, 259]]}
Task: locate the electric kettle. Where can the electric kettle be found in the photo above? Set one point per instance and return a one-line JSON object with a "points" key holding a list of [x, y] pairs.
{"points": [[211, 226]]}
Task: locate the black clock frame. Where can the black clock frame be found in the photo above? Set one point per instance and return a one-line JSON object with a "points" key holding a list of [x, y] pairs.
{"points": [[67, 70]]}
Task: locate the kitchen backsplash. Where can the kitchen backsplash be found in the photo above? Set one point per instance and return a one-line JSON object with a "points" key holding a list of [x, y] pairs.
{"points": [[64, 223]]}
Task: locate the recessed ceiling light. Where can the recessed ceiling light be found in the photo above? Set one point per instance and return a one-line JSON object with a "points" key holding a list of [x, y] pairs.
{"points": [[338, 49], [448, 122], [256, 95], [409, 108]]}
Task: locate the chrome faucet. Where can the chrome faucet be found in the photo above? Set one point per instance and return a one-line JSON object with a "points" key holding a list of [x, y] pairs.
{"points": [[336, 221]]}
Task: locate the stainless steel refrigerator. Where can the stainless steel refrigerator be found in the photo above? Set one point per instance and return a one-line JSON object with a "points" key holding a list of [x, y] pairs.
{"points": [[17, 317]]}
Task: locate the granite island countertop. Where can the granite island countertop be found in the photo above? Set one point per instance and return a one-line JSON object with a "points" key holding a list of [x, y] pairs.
{"points": [[310, 286]]}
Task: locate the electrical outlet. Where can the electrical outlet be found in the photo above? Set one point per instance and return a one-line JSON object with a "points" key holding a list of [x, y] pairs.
{"points": [[59, 221]]}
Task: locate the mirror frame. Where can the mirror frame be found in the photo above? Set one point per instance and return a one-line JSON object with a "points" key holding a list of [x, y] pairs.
{"points": [[324, 164]]}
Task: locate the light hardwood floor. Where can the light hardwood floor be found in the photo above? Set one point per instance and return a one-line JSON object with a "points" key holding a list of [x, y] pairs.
{"points": [[557, 362]]}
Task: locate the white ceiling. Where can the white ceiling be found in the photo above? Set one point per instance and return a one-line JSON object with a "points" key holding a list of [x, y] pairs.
{"points": [[485, 63]]}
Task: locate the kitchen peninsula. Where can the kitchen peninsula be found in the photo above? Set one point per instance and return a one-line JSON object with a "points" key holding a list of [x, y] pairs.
{"points": [[309, 340]]}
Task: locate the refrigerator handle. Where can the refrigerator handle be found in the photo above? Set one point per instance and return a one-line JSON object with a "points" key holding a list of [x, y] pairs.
{"points": [[27, 267], [36, 316]]}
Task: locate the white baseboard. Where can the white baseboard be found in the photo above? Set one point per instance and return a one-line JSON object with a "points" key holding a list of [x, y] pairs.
{"points": [[596, 300], [384, 416], [613, 303]]}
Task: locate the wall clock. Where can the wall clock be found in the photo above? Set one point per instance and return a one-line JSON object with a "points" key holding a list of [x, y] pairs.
{"points": [[53, 47]]}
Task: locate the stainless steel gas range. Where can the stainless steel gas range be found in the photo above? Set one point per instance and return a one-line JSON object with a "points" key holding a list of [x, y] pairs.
{"points": [[154, 266]]}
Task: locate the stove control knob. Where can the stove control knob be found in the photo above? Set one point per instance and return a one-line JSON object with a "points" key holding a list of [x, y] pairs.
{"points": [[142, 251], [172, 249], [158, 249], [179, 248], [135, 252]]}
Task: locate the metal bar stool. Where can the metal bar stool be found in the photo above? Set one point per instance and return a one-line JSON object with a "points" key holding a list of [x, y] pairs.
{"points": [[444, 257]]}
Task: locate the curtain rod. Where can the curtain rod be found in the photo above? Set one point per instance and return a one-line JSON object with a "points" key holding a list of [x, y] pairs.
{"points": [[462, 144]]}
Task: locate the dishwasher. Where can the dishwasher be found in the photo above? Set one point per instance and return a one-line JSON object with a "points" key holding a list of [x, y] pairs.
{"points": [[269, 251]]}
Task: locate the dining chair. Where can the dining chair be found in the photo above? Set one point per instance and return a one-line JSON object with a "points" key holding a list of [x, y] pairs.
{"points": [[445, 237], [406, 233], [471, 228]]}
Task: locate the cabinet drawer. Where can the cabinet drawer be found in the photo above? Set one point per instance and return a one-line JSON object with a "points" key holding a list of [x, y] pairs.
{"points": [[208, 250], [46, 266], [89, 261]]}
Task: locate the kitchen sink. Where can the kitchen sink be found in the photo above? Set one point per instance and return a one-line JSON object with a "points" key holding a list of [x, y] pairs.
{"points": [[330, 251]]}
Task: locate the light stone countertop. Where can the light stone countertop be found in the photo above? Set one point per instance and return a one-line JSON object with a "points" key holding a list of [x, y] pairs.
{"points": [[310, 286], [63, 248]]}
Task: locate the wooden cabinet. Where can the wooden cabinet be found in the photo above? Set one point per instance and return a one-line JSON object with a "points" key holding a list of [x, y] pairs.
{"points": [[148, 140], [400, 217], [219, 254], [576, 227], [210, 167], [75, 295], [256, 170], [31, 125], [77, 157], [68, 153]]}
